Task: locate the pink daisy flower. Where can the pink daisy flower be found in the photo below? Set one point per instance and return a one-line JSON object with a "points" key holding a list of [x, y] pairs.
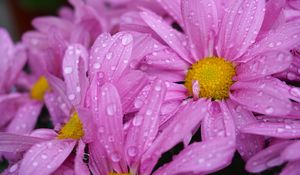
{"points": [[19, 110], [227, 55]]}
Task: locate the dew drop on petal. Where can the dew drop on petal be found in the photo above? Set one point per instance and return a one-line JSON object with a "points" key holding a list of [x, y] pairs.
{"points": [[96, 65], [13, 168], [68, 70], [71, 97], [137, 121], [295, 92], [115, 157], [108, 55], [127, 39], [138, 103], [34, 164], [269, 110], [111, 109], [132, 151]]}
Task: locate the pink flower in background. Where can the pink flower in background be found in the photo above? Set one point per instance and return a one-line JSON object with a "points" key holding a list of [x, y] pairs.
{"points": [[284, 148], [19, 110]]}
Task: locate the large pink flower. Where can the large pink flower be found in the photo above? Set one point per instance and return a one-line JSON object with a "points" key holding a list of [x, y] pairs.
{"points": [[227, 54]]}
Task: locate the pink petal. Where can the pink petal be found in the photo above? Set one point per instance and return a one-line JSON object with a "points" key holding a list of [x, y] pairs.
{"points": [[13, 59], [17, 143], [99, 163], [247, 144], [262, 96], [111, 55], [132, 21], [48, 134], [129, 86], [57, 108], [264, 64], [166, 59], [26, 118], [59, 87], [80, 167], [43, 24], [201, 158], [6, 47], [201, 24], [274, 9], [12, 169], [266, 158], [8, 105], [75, 68], [173, 8], [285, 37], [291, 152], [175, 132], [219, 122], [292, 168], [145, 124], [150, 46], [89, 126], [275, 129], [109, 121], [245, 17], [46, 157], [172, 37]]}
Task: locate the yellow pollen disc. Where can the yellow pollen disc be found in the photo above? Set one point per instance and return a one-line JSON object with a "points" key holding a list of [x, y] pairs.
{"points": [[73, 129], [39, 88], [214, 76]]}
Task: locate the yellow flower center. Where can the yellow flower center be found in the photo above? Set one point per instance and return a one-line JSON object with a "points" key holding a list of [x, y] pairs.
{"points": [[39, 89], [214, 76], [73, 129]]}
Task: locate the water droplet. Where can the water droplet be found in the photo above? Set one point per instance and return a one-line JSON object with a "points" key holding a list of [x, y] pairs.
{"points": [[138, 103], [269, 110], [101, 129], [71, 97], [97, 65], [132, 151], [280, 130], [295, 92], [111, 109], [149, 112], [137, 120], [201, 160], [111, 139], [68, 70], [157, 88], [115, 157], [109, 55], [44, 156], [34, 164], [271, 44], [13, 168], [127, 39]]}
